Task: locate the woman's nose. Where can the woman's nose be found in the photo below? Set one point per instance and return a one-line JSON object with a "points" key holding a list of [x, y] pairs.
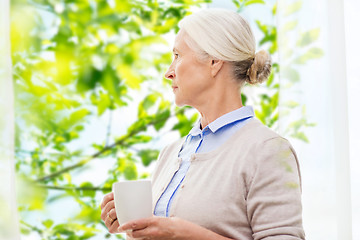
{"points": [[170, 73]]}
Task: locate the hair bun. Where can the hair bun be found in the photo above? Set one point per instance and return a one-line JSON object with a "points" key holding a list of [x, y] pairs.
{"points": [[260, 69]]}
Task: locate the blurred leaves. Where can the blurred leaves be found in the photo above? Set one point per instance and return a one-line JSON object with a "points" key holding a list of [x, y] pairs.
{"points": [[308, 37], [293, 8], [267, 109], [75, 61], [270, 36], [312, 53], [241, 4], [184, 123], [148, 156]]}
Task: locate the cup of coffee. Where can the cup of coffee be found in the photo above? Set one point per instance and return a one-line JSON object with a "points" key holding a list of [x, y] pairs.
{"points": [[133, 200]]}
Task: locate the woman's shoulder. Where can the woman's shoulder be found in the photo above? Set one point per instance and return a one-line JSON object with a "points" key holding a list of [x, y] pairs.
{"points": [[256, 137], [255, 130], [265, 142]]}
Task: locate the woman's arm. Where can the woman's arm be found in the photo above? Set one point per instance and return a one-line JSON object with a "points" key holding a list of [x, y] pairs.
{"points": [[159, 228], [156, 228]]}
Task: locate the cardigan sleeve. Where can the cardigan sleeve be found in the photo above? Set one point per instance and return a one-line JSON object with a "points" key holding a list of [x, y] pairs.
{"points": [[274, 193]]}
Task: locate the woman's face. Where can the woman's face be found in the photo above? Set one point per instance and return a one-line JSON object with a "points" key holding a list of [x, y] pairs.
{"points": [[191, 77]]}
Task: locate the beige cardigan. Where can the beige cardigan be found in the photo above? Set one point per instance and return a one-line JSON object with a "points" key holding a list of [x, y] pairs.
{"points": [[248, 188]]}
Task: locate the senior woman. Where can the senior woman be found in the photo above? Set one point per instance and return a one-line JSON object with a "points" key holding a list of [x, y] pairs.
{"points": [[231, 177]]}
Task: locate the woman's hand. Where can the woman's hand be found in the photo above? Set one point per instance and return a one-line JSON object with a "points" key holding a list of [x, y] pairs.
{"points": [[108, 213], [153, 228], [160, 228]]}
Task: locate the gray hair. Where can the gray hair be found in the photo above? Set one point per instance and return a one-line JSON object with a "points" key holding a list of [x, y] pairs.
{"points": [[224, 35]]}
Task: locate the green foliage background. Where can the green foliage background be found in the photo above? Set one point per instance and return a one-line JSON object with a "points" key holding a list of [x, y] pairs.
{"points": [[76, 61]]}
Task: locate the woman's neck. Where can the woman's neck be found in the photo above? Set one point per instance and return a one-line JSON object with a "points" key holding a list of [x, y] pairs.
{"points": [[218, 106]]}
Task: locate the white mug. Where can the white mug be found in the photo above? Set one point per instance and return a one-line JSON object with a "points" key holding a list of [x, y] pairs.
{"points": [[133, 200]]}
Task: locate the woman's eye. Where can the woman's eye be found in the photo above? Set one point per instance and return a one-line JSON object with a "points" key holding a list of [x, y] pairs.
{"points": [[176, 55]]}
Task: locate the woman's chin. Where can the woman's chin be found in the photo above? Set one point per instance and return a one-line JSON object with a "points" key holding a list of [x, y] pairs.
{"points": [[178, 102]]}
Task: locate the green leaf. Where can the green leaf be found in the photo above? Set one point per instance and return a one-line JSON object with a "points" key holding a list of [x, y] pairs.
{"points": [[291, 74], [25, 231], [38, 90], [111, 82], [130, 171], [88, 79], [236, 3], [163, 117], [261, 116], [291, 104], [308, 37], [291, 25], [296, 125], [270, 36], [103, 103], [149, 100], [165, 27], [274, 9], [63, 230], [138, 139], [262, 27], [184, 125], [301, 136], [78, 115], [146, 104], [59, 139], [243, 98], [249, 2], [274, 46], [129, 76], [48, 223], [275, 100], [148, 156], [87, 193], [292, 8], [271, 78], [88, 214], [312, 53]]}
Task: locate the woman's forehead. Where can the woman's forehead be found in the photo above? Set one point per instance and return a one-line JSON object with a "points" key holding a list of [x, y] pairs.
{"points": [[180, 42]]}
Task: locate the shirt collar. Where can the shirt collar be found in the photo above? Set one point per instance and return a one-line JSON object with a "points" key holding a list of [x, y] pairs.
{"points": [[228, 118], [196, 130]]}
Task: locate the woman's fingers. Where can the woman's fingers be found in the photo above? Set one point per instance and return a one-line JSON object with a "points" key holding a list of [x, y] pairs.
{"points": [[113, 226], [139, 234], [105, 211], [108, 221], [135, 225], [112, 214], [107, 198], [108, 213]]}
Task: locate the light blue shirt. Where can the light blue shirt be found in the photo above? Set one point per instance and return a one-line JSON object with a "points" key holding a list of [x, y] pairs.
{"points": [[200, 141]]}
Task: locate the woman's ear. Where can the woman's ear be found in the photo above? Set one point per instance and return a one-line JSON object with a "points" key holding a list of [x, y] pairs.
{"points": [[216, 65]]}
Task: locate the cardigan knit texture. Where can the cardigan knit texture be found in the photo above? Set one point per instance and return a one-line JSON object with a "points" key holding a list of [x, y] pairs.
{"points": [[202, 140], [249, 188]]}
